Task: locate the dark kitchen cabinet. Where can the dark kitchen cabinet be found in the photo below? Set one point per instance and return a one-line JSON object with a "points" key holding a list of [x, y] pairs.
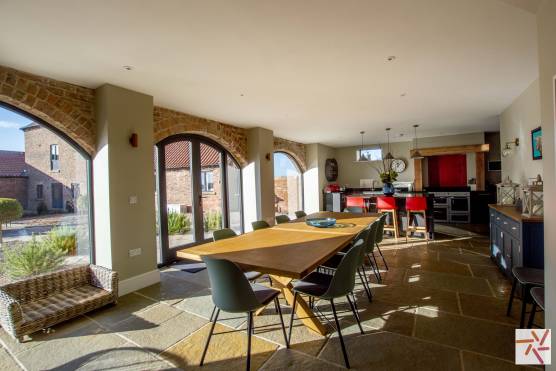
{"points": [[515, 240]]}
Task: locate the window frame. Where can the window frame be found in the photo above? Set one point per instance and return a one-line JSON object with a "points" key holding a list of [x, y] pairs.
{"points": [[41, 197], [88, 168], [204, 174], [54, 158], [298, 168]]}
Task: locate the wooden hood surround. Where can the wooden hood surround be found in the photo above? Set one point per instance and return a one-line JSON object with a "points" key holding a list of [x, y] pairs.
{"points": [[478, 149]]}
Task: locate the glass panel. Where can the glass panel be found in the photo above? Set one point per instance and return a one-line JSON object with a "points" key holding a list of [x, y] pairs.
{"points": [[49, 226], [233, 173], [178, 193], [287, 186], [211, 186]]}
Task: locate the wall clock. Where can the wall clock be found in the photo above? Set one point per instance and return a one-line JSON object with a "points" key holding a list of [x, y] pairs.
{"points": [[398, 165]]}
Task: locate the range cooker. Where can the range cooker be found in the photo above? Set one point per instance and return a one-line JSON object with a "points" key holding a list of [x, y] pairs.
{"points": [[451, 207]]}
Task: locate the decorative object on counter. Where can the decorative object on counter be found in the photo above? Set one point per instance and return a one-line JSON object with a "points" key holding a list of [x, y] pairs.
{"points": [[507, 192], [508, 150], [416, 154], [398, 165], [536, 143], [331, 169], [532, 198], [321, 222]]}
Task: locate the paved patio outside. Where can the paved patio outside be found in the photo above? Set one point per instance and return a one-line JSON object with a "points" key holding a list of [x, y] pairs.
{"points": [[441, 307]]}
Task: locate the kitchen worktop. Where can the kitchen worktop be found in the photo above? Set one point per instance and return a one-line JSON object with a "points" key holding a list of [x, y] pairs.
{"points": [[513, 213], [380, 193]]}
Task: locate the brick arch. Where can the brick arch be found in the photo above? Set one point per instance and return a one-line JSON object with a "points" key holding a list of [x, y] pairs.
{"points": [[294, 149], [66, 107], [169, 122]]}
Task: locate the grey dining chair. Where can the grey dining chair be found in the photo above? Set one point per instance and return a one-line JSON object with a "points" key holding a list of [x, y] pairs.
{"points": [[300, 214], [232, 292], [329, 287], [282, 219], [368, 236], [259, 224]]}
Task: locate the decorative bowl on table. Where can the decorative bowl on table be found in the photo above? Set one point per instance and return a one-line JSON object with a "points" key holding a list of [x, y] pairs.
{"points": [[321, 222]]}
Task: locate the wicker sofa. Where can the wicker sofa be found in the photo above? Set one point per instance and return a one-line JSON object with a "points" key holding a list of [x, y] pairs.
{"points": [[42, 301]]}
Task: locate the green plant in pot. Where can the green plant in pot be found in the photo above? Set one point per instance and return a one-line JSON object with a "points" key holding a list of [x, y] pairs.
{"points": [[387, 176]]}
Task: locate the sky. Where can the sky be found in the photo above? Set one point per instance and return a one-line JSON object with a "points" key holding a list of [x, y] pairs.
{"points": [[11, 138], [283, 165]]}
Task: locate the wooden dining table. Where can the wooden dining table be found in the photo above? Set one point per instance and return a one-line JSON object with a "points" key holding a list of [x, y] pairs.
{"points": [[286, 252]]}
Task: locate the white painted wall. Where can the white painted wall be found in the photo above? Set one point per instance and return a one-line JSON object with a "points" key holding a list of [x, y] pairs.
{"points": [[517, 121], [546, 20]]}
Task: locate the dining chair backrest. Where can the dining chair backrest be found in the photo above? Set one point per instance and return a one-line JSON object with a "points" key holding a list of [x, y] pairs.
{"points": [[259, 224], [222, 234], [343, 281], [231, 291], [380, 230], [354, 209], [282, 219], [300, 214], [371, 239]]}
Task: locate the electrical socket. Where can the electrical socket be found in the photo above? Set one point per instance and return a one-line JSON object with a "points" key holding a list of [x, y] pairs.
{"points": [[134, 252]]}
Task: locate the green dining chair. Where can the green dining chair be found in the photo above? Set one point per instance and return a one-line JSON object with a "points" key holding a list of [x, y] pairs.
{"points": [[300, 214], [232, 292], [379, 237], [329, 287], [282, 219], [259, 224], [367, 236]]}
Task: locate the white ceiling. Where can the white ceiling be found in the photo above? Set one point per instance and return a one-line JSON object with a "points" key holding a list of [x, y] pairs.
{"points": [[312, 71]]}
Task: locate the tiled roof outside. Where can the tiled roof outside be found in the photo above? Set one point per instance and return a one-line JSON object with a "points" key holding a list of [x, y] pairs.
{"points": [[178, 155], [12, 163]]}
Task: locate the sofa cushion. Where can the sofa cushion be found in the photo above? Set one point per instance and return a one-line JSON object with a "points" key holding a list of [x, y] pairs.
{"points": [[72, 301]]}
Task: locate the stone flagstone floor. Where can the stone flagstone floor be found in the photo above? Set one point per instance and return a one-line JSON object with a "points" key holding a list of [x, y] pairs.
{"points": [[441, 306]]}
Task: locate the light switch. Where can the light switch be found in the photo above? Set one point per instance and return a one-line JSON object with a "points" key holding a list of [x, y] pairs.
{"points": [[133, 200]]}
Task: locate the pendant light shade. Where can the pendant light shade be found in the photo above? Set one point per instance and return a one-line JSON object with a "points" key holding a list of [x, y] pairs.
{"points": [[388, 155], [362, 157], [416, 154]]}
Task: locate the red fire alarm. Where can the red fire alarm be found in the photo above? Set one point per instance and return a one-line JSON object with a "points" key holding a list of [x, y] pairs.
{"points": [[134, 140]]}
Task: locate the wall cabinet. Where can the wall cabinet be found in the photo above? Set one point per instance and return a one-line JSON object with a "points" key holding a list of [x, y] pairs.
{"points": [[515, 240]]}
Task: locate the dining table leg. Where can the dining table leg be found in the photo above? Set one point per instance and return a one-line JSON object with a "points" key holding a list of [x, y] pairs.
{"points": [[302, 309]]}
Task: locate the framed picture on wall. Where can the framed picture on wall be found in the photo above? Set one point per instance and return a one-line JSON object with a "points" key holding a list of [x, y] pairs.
{"points": [[536, 143]]}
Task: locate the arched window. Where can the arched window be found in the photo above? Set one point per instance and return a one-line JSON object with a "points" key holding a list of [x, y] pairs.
{"points": [[288, 185], [199, 191], [48, 175]]}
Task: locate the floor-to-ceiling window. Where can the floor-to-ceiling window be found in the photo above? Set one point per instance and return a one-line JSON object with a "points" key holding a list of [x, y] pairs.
{"points": [[45, 211], [199, 191], [288, 185]]}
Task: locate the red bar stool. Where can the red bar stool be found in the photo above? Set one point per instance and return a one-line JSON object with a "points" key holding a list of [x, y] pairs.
{"points": [[387, 204], [416, 205], [356, 202]]}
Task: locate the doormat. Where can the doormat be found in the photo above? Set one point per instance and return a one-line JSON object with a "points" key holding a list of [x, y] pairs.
{"points": [[190, 267]]}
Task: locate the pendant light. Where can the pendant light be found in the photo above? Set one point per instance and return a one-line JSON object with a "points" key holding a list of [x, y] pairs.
{"points": [[362, 157], [416, 154], [388, 155]]}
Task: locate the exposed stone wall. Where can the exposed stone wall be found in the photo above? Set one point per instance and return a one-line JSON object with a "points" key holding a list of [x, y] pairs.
{"points": [[294, 149], [14, 187], [168, 122], [69, 108]]}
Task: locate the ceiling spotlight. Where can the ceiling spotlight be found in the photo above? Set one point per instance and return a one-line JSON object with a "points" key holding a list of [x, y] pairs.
{"points": [[391, 58], [128, 68], [402, 94]]}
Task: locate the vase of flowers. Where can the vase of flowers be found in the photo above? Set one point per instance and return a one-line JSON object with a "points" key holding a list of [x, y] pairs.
{"points": [[387, 176]]}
